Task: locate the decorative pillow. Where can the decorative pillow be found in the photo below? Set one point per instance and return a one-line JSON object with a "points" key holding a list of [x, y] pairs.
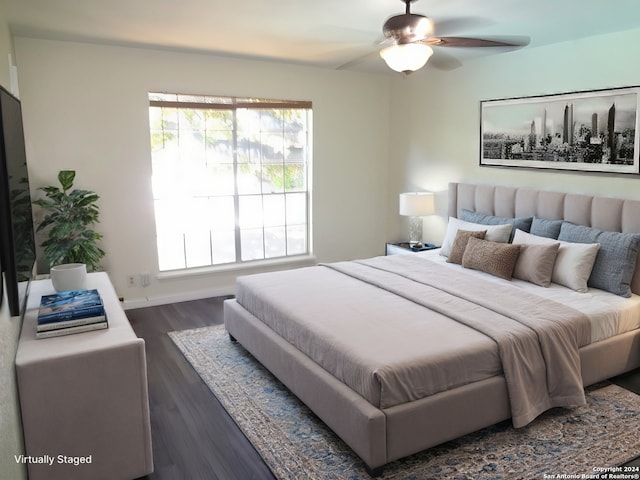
{"points": [[495, 233], [545, 228], [616, 260], [523, 223], [573, 262], [460, 244], [535, 263], [498, 259]]}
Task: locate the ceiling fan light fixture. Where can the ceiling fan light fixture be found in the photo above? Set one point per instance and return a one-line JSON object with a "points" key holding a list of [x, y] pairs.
{"points": [[406, 57]]}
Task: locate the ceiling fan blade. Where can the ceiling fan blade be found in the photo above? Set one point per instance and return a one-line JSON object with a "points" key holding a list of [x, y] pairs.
{"points": [[454, 26], [440, 60], [509, 41], [358, 61], [443, 61]]}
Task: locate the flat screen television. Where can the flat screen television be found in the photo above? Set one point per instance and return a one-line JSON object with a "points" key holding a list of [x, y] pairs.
{"points": [[17, 242]]}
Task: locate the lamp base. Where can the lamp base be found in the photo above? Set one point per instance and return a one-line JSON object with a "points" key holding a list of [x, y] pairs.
{"points": [[415, 230]]}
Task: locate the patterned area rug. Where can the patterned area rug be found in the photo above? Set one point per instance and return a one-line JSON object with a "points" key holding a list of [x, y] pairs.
{"points": [[565, 443]]}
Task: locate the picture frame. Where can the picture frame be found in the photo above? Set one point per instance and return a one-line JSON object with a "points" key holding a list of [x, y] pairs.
{"points": [[587, 131]]}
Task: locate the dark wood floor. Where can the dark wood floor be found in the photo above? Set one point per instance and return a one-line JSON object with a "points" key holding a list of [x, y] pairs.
{"points": [[193, 436]]}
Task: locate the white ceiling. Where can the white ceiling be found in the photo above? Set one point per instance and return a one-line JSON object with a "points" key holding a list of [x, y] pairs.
{"points": [[323, 33]]}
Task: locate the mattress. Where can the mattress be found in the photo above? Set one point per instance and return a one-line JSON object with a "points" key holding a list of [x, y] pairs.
{"points": [[378, 337], [338, 321]]}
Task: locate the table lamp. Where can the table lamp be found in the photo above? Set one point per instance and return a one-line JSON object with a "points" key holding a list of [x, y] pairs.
{"points": [[416, 205]]}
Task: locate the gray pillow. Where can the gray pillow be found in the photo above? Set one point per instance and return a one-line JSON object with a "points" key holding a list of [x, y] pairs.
{"points": [[542, 227], [520, 223], [616, 259]]}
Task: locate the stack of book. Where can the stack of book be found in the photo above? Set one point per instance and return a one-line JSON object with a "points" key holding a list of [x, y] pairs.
{"points": [[70, 312]]}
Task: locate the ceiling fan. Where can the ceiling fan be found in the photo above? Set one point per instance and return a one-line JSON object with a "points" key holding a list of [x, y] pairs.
{"points": [[410, 36]]}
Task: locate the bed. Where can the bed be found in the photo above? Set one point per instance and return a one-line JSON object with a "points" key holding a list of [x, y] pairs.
{"points": [[399, 354]]}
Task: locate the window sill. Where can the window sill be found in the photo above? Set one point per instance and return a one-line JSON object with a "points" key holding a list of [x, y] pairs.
{"points": [[258, 265]]}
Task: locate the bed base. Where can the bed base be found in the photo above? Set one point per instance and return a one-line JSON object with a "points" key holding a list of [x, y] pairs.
{"points": [[382, 436]]}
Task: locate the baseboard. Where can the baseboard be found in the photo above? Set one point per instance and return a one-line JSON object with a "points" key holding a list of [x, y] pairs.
{"points": [[141, 302]]}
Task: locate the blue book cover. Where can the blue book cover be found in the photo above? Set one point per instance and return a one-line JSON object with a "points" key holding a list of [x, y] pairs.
{"points": [[70, 305]]}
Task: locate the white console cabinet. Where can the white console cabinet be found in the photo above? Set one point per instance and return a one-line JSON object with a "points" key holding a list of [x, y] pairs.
{"points": [[84, 397]]}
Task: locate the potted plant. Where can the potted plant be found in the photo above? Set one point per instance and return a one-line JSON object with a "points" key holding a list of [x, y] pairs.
{"points": [[70, 216]]}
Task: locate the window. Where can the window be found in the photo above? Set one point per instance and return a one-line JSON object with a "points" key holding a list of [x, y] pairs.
{"points": [[230, 178]]}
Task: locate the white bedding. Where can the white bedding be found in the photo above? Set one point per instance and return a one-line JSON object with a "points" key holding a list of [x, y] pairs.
{"points": [[609, 314]]}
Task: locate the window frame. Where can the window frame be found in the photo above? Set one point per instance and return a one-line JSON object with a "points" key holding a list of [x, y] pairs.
{"points": [[234, 104]]}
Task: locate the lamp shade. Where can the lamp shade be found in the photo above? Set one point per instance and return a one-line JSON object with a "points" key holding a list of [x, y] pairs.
{"points": [[406, 57], [417, 204]]}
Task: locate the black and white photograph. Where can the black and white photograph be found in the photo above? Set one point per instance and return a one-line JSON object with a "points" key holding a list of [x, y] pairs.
{"points": [[594, 131]]}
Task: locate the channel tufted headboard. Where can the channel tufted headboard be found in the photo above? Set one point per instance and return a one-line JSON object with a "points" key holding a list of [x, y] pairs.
{"points": [[612, 214]]}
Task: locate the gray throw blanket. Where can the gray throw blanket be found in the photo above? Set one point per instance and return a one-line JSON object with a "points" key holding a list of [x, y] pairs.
{"points": [[538, 339]]}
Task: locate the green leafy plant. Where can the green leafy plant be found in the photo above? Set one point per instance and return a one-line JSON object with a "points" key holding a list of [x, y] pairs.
{"points": [[70, 216]]}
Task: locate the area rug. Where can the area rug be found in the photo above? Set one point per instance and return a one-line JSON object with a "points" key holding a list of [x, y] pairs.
{"points": [[295, 444]]}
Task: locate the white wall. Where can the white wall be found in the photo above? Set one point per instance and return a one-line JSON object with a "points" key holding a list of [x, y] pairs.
{"points": [[6, 49], [435, 116], [86, 108]]}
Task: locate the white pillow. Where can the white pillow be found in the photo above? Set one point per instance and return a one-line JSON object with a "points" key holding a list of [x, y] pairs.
{"points": [[574, 261], [495, 233]]}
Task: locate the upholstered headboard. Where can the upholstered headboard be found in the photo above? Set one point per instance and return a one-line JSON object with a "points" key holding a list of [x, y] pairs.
{"points": [[612, 214]]}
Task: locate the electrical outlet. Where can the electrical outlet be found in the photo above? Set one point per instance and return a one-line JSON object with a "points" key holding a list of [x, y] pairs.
{"points": [[131, 280]]}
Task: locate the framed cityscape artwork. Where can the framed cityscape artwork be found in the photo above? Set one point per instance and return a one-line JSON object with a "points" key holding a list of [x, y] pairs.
{"points": [[594, 131]]}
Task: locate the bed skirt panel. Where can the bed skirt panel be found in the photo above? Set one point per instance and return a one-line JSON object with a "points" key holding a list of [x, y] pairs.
{"points": [[610, 357], [430, 421]]}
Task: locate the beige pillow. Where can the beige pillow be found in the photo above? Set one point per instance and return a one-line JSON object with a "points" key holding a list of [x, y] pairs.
{"points": [[573, 262], [495, 233], [460, 244], [498, 259], [535, 263]]}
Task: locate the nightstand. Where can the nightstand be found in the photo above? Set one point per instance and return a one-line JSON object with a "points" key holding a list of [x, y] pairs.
{"points": [[403, 247]]}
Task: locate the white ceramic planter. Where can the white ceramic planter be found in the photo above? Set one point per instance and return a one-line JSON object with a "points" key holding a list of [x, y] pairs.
{"points": [[69, 276]]}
